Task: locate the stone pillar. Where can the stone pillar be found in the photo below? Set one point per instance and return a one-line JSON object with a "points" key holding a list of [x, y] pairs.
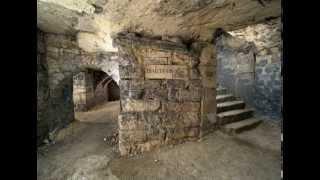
{"points": [[83, 90], [208, 73], [164, 94]]}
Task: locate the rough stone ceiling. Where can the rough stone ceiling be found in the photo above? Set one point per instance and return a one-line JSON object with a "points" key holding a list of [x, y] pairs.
{"points": [[95, 21]]}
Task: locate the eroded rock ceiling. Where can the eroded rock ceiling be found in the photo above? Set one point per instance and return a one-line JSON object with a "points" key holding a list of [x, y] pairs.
{"points": [[94, 22]]}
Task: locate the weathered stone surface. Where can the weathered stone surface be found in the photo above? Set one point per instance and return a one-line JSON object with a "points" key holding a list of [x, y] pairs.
{"points": [[169, 109], [208, 110], [171, 18], [268, 89], [133, 94], [224, 98], [207, 71], [130, 105], [132, 84], [41, 48], [173, 94], [169, 119], [190, 119], [208, 56], [130, 121], [83, 91], [156, 53], [182, 59], [161, 94], [132, 136], [237, 127], [152, 84], [175, 84], [231, 105], [182, 107], [195, 73], [246, 65], [209, 82], [130, 72], [208, 76], [166, 72], [252, 70], [193, 132], [43, 98], [156, 60], [192, 84], [234, 116], [137, 148], [190, 95]]}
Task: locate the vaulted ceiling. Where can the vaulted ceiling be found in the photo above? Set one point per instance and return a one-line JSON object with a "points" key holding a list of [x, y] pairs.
{"points": [[94, 22]]}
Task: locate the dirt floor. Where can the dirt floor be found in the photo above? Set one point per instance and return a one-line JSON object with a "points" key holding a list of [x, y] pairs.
{"points": [[86, 150]]}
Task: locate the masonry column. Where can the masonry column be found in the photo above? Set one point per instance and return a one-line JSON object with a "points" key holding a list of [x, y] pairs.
{"points": [[207, 69], [164, 93]]}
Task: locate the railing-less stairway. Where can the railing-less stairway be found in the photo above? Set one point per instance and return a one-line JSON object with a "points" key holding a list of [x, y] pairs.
{"points": [[232, 115]]}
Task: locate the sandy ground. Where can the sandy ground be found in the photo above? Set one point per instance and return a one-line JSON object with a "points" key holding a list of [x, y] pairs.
{"points": [[81, 153]]}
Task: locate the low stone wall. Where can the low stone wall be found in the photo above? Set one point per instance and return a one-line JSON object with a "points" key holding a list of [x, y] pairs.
{"points": [[165, 90]]}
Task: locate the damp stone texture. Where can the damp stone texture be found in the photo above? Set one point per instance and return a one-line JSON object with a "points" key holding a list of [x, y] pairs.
{"points": [[167, 92], [43, 98], [59, 59], [249, 65], [83, 90]]}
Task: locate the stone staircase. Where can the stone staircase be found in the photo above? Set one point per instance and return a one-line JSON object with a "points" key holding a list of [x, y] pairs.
{"points": [[232, 115]]}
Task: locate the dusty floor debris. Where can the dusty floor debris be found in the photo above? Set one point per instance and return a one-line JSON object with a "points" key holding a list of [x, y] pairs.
{"points": [[83, 154]]}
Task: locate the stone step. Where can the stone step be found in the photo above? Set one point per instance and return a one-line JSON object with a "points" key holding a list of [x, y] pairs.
{"points": [[234, 116], [230, 105], [222, 91], [240, 126], [224, 98]]}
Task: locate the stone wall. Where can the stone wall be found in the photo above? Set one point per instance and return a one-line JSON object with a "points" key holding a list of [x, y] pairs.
{"points": [[91, 88], [66, 59], [43, 99], [257, 50], [167, 92], [59, 59], [236, 66], [83, 90]]}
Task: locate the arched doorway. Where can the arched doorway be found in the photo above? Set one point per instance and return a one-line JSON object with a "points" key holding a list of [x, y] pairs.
{"points": [[92, 88]]}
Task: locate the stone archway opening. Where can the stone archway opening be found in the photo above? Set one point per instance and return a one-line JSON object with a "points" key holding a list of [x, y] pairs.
{"points": [[249, 68], [92, 88]]}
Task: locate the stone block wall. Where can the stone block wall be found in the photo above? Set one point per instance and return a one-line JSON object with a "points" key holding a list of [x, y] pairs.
{"points": [[43, 95], [83, 90], [59, 59], [236, 66], [268, 88], [65, 59], [164, 89], [249, 65]]}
